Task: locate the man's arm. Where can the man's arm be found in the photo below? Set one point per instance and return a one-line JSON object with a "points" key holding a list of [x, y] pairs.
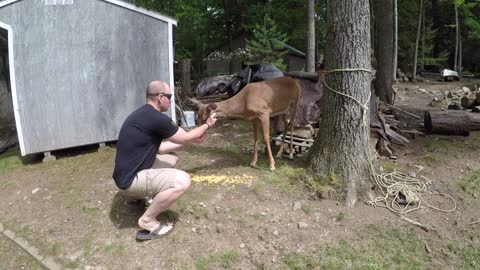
{"points": [[182, 137], [168, 147]]}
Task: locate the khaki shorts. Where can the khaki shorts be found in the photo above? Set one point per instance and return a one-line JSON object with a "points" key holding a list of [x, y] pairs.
{"points": [[150, 182]]}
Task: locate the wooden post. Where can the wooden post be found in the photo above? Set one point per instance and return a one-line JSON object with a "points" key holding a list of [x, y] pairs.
{"points": [[185, 79]]}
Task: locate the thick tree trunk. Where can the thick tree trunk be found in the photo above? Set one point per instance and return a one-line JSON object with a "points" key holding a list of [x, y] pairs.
{"points": [[185, 79], [437, 24], [460, 58], [343, 144], [228, 24], [384, 52], [456, 39], [423, 40], [310, 65], [414, 73], [395, 39]]}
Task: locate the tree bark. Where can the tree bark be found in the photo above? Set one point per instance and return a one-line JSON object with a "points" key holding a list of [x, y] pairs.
{"points": [[342, 147], [460, 58], [395, 39], [423, 40], [456, 38], [228, 26], [385, 50], [310, 64], [185, 79], [414, 75]]}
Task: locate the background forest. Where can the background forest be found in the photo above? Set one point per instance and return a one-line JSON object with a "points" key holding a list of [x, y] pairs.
{"points": [[202, 25]]}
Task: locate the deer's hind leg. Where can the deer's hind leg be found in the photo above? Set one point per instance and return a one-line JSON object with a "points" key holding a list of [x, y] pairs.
{"points": [[255, 126], [265, 119], [293, 113], [285, 124]]}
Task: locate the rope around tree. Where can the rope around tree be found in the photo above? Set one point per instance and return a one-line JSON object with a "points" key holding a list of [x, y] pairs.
{"points": [[397, 188]]}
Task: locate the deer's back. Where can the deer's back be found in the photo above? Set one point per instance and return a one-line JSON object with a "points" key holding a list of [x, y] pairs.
{"points": [[276, 94]]}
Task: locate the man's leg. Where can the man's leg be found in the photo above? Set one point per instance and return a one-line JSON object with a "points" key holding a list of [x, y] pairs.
{"points": [[165, 161], [163, 200]]}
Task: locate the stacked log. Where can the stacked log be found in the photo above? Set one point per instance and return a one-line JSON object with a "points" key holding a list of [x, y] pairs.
{"points": [[451, 122]]}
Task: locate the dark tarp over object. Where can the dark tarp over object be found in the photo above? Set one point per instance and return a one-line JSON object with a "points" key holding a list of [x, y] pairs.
{"points": [[227, 84], [212, 86], [252, 73]]}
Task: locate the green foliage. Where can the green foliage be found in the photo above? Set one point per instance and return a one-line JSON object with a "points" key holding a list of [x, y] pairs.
{"points": [[388, 166], [340, 216], [471, 184], [438, 145], [325, 186], [380, 248], [10, 161], [298, 261], [225, 260], [285, 176], [267, 45], [468, 251]]}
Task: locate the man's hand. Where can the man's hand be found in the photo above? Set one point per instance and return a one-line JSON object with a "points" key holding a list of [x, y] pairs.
{"points": [[211, 120]]}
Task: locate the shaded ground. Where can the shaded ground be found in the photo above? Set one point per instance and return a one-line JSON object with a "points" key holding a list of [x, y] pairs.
{"points": [[237, 217]]}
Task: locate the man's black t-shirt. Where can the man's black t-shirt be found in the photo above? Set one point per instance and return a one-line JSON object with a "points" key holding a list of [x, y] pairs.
{"points": [[140, 136]]}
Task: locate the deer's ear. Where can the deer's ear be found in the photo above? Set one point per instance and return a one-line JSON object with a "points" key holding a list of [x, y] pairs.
{"points": [[196, 105], [212, 107]]}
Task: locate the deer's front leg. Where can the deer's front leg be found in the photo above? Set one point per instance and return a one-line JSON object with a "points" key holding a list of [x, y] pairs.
{"points": [[265, 119], [256, 125]]}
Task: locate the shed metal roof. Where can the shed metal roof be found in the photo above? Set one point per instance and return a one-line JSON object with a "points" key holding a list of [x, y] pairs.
{"points": [[118, 3]]}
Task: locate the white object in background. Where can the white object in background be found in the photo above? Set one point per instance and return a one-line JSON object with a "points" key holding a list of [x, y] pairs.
{"points": [[189, 120]]}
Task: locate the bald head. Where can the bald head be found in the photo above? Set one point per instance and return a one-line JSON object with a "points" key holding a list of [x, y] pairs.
{"points": [[155, 88]]}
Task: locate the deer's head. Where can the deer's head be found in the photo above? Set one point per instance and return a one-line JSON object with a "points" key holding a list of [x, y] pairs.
{"points": [[203, 110]]}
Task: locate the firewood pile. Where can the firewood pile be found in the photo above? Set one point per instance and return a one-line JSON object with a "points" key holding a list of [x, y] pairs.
{"points": [[461, 116], [303, 139], [463, 98]]}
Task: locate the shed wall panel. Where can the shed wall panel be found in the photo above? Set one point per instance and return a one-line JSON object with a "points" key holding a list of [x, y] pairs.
{"points": [[81, 69]]}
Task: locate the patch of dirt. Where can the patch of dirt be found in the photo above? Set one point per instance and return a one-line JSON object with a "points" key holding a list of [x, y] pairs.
{"points": [[70, 209]]}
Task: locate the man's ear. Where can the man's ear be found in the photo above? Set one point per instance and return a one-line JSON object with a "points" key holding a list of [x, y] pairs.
{"points": [[212, 107]]}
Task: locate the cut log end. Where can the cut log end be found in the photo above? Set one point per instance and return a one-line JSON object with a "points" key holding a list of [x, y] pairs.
{"points": [[447, 123]]}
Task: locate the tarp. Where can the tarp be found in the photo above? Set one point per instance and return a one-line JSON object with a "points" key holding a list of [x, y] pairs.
{"points": [[227, 84]]}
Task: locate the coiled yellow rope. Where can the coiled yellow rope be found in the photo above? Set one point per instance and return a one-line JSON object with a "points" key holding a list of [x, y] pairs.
{"points": [[394, 185]]}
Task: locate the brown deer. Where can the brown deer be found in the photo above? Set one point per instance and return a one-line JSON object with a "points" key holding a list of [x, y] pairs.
{"points": [[257, 102]]}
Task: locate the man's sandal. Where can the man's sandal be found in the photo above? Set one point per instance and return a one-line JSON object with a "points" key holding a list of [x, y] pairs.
{"points": [[143, 235]]}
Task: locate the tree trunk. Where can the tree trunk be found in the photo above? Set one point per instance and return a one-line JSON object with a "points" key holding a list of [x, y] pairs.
{"points": [[341, 149], [456, 39], [310, 64], [384, 52], [185, 79], [228, 24], [414, 75], [423, 40], [460, 58], [395, 39]]}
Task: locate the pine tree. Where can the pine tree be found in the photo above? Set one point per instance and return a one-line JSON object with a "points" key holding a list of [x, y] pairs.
{"points": [[267, 45]]}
